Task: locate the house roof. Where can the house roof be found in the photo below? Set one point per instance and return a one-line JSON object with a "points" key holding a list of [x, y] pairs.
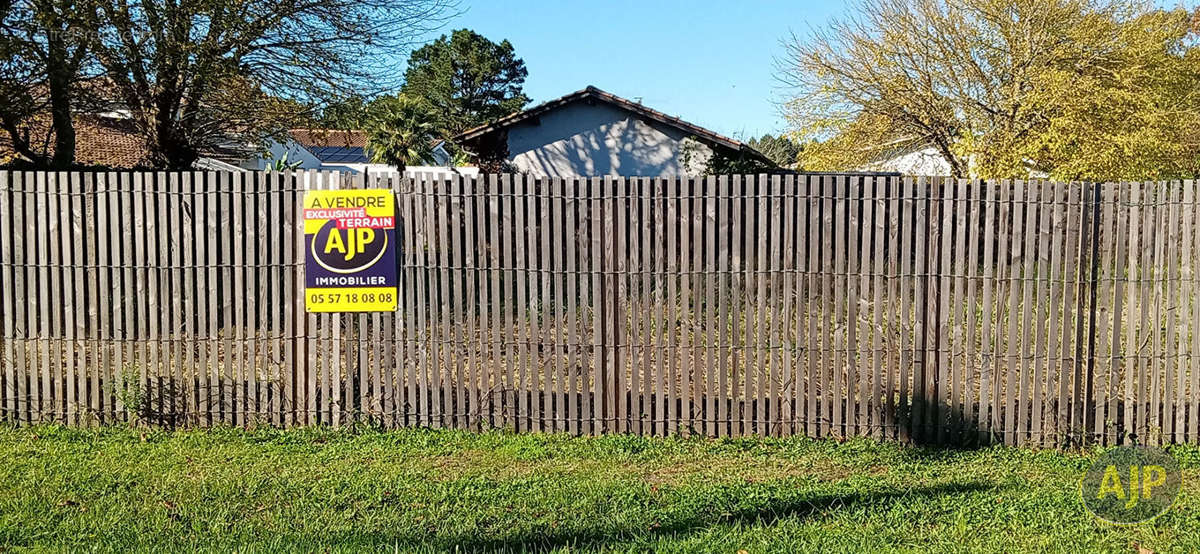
{"points": [[337, 145], [594, 93], [112, 142]]}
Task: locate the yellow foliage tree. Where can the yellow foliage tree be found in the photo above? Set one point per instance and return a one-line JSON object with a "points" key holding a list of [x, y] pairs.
{"points": [[1076, 89]]}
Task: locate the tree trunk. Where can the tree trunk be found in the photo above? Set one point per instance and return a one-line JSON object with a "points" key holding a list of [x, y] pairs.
{"points": [[60, 77]]}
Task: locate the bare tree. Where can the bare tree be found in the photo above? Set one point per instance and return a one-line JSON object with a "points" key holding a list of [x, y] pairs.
{"points": [[193, 73], [41, 56]]}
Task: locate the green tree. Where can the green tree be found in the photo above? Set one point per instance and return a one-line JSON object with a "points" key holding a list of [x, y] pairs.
{"points": [[401, 131], [780, 149], [1079, 89], [468, 79]]}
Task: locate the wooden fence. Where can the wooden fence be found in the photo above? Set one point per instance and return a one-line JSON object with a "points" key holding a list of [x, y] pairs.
{"points": [[925, 310]]}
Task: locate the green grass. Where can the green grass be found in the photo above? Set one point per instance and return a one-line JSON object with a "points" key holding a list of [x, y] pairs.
{"points": [[267, 491]]}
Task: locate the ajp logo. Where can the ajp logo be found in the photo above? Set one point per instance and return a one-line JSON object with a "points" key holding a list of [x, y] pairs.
{"points": [[1131, 484], [348, 250]]}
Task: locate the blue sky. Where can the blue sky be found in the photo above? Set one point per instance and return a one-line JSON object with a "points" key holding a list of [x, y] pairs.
{"points": [[708, 62]]}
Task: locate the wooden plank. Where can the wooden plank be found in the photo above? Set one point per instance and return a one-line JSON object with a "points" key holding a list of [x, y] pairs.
{"points": [[550, 256], [787, 286], [814, 306], [170, 279], [87, 278], [813, 220], [68, 286], [7, 294], [939, 391], [412, 303], [144, 333], [665, 366], [471, 208], [1192, 244], [1131, 225], [1078, 223], [852, 281], [780, 295], [692, 241], [750, 355], [1154, 433], [22, 199], [971, 364], [595, 412], [1013, 359], [718, 300], [739, 389], [830, 364], [532, 306], [630, 415], [456, 301], [196, 290], [571, 193], [714, 288], [41, 310], [991, 199], [239, 238], [921, 223], [956, 339], [612, 307], [906, 344], [51, 295], [676, 227], [432, 367], [309, 322], [521, 306], [264, 264], [284, 212], [1106, 350], [502, 327], [1173, 350], [895, 191], [1048, 363], [31, 262], [158, 284], [762, 331], [420, 403], [211, 222], [640, 313], [878, 231], [1048, 198]]}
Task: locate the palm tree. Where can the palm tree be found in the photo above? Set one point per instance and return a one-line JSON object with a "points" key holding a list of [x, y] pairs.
{"points": [[401, 132]]}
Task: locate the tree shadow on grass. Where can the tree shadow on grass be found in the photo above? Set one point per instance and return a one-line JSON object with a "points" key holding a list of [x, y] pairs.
{"points": [[695, 520]]}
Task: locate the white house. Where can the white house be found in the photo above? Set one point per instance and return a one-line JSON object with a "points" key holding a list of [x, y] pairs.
{"points": [[910, 157], [592, 132]]}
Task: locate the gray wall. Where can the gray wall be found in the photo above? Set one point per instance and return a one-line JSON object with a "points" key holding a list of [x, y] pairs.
{"points": [[582, 140]]}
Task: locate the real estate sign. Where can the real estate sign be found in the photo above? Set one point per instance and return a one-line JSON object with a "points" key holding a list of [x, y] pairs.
{"points": [[350, 251]]}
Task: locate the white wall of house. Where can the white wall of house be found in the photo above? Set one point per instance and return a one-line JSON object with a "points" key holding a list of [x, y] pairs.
{"points": [[584, 140], [276, 150], [922, 161]]}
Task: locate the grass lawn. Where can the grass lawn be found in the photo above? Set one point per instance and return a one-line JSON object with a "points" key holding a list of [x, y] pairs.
{"points": [[263, 491]]}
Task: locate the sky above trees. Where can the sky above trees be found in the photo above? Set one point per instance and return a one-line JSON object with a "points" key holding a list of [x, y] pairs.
{"points": [[706, 61]]}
